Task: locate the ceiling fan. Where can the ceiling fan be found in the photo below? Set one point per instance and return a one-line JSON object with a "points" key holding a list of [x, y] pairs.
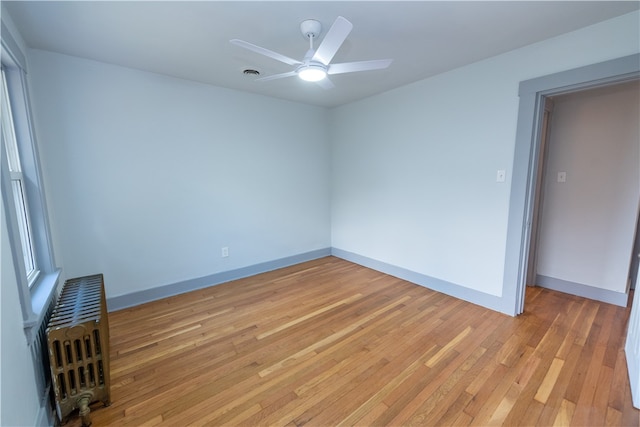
{"points": [[316, 64]]}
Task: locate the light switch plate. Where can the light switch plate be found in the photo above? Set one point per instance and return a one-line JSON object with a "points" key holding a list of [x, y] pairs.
{"points": [[501, 175]]}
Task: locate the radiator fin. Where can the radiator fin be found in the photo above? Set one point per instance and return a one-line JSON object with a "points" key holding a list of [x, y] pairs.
{"points": [[41, 359]]}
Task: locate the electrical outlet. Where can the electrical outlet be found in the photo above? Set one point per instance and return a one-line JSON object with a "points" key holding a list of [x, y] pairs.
{"points": [[225, 252], [562, 177]]}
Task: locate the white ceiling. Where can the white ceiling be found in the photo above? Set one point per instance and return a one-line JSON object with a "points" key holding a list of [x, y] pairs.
{"points": [[190, 40]]}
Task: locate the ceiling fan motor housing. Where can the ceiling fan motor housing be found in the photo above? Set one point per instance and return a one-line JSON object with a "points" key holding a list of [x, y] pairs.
{"points": [[311, 28]]}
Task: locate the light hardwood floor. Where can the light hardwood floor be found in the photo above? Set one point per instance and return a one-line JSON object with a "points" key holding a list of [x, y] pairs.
{"points": [[330, 343]]}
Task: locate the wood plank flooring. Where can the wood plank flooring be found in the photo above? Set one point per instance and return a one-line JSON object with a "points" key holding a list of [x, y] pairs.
{"points": [[330, 343]]}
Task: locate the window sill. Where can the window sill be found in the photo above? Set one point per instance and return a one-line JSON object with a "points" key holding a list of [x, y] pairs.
{"points": [[42, 293]]}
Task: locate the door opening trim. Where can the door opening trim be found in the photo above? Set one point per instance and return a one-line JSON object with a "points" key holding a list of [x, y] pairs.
{"points": [[526, 157]]}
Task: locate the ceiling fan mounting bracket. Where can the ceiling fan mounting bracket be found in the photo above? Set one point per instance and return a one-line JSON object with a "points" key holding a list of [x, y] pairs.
{"points": [[310, 28]]}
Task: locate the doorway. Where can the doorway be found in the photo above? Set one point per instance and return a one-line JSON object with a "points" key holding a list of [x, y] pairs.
{"points": [[586, 193], [526, 158]]}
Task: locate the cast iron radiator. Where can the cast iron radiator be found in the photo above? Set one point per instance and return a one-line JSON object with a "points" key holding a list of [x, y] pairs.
{"points": [[78, 340]]}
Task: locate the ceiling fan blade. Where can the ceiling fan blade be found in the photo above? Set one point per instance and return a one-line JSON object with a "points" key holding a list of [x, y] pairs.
{"points": [[265, 52], [333, 40], [350, 67], [325, 83], [276, 76]]}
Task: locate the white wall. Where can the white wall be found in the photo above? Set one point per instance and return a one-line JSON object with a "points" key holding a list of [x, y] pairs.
{"points": [[19, 403], [414, 169], [19, 397], [149, 176], [413, 181], [588, 222]]}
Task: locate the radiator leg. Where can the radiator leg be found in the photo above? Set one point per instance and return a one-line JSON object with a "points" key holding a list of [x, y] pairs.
{"points": [[84, 412]]}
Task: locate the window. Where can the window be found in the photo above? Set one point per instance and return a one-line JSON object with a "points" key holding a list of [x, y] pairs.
{"points": [[23, 197], [18, 186]]}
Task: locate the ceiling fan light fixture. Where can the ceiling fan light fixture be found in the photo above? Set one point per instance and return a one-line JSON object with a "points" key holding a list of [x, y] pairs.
{"points": [[312, 73], [316, 64]]}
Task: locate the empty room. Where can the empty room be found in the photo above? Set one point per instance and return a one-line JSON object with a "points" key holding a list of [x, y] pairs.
{"points": [[320, 213]]}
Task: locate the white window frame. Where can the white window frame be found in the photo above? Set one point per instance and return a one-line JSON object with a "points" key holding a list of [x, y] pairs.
{"points": [[20, 166], [21, 203]]}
